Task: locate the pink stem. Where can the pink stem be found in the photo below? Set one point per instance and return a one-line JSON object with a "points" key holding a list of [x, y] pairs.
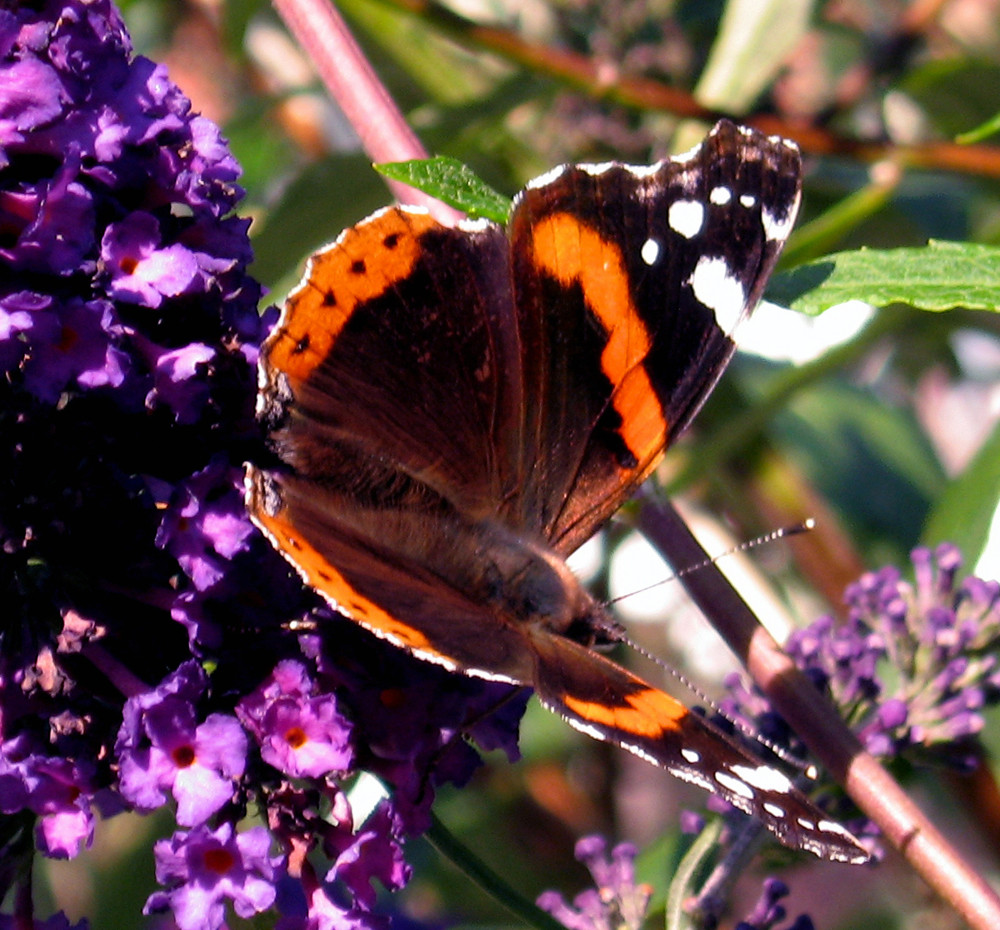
{"points": [[351, 81]]}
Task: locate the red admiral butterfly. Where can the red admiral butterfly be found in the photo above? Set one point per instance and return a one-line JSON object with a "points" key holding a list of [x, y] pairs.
{"points": [[458, 409]]}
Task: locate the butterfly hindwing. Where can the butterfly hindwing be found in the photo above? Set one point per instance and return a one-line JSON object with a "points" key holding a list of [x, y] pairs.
{"points": [[605, 700], [390, 391]]}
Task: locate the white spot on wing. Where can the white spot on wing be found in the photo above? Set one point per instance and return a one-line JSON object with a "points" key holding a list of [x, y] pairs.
{"points": [[480, 224], [777, 229], [774, 810], [764, 777], [690, 755], [650, 251], [747, 200], [720, 195], [737, 787], [830, 826], [719, 290], [686, 217], [599, 168], [643, 171]]}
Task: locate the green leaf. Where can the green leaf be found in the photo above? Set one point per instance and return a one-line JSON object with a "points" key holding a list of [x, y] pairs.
{"points": [[452, 182], [983, 131], [964, 510], [938, 276]]}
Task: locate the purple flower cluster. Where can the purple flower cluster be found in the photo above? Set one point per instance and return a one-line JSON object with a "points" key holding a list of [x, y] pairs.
{"points": [[911, 668], [155, 650], [939, 636], [768, 913], [616, 903]]}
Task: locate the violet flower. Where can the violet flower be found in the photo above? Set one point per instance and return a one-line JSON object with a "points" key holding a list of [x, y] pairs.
{"points": [[206, 868], [59, 791], [140, 272], [768, 913], [616, 902], [938, 638], [301, 733], [162, 747], [911, 669], [374, 852], [129, 336]]}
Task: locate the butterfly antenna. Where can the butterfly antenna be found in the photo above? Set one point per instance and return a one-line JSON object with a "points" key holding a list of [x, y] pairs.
{"points": [[804, 527], [807, 768], [619, 635]]}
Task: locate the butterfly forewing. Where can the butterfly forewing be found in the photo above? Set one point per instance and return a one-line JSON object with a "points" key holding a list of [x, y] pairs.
{"points": [[649, 271]]}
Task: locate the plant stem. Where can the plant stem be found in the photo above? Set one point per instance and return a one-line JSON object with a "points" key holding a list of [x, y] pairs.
{"points": [[818, 724], [353, 84]]}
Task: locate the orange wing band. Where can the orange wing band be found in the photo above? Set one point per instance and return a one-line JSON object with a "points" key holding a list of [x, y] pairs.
{"points": [[338, 279], [321, 575], [648, 713], [571, 252]]}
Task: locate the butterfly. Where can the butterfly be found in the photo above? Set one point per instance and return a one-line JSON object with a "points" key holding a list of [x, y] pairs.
{"points": [[454, 410]]}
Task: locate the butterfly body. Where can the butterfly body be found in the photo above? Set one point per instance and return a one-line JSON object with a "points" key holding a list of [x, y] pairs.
{"points": [[455, 410]]}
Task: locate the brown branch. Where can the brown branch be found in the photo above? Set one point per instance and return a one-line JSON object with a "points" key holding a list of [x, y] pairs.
{"points": [[602, 82], [817, 723]]}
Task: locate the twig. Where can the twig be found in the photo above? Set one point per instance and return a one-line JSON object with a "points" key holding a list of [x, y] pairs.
{"points": [[819, 726], [603, 83], [347, 74]]}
